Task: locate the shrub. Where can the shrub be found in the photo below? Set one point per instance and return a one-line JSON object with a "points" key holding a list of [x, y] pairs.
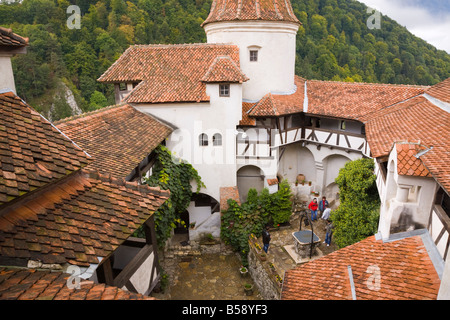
{"points": [[239, 221], [358, 212]]}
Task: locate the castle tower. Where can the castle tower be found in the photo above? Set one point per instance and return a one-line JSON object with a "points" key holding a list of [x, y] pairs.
{"points": [[265, 32]]}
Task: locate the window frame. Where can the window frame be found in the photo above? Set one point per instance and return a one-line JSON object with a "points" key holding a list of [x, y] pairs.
{"points": [[253, 55], [224, 90], [203, 140], [217, 140]]}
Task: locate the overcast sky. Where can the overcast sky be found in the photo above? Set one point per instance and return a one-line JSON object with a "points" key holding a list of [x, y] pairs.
{"points": [[427, 19]]}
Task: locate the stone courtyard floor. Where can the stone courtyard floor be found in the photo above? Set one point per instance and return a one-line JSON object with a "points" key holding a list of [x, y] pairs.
{"points": [[216, 276]]}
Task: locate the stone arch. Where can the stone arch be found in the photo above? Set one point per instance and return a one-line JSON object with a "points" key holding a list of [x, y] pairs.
{"points": [[297, 160], [249, 176], [332, 164], [204, 210]]}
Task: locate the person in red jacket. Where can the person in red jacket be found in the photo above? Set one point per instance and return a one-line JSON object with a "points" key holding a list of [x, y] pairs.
{"points": [[313, 207]]}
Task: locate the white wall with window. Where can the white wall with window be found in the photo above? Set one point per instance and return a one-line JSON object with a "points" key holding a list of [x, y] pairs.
{"points": [[266, 52], [207, 134]]}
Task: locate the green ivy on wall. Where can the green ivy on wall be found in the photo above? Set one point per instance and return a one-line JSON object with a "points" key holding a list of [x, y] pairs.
{"points": [[173, 174]]}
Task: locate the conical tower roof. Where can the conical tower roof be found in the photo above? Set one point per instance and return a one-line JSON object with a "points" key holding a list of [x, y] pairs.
{"points": [[244, 10]]}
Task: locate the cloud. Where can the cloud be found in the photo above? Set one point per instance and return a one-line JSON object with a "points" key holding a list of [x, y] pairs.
{"points": [[421, 21]]}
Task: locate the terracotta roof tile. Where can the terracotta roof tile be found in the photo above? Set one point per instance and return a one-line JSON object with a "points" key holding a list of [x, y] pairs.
{"points": [[278, 105], [246, 120], [29, 284], [10, 39], [441, 91], [400, 123], [118, 138], [33, 153], [355, 100], [78, 221], [406, 272], [407, 162], [240, 10], [224, 69], [167, 73]]}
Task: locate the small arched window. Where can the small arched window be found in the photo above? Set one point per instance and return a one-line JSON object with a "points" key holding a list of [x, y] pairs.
{"points": [[203, 140], [217, 139]]}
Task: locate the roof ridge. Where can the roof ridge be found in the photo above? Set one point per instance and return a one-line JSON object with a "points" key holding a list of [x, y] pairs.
{"points": [[89, 114], [196, 44], [374, 83], [142, 188], [8, 32]]}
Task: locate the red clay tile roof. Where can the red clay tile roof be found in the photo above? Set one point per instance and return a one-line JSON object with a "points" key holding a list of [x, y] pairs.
{"points": [[355, 100], [272, 182], [246, 120], [224, 69], [33, 153], [416, 120], [441, 91], [10, 39], [407, 163], [240, 10], [118, 137], [406, 273], [29, 284], [168, 73], [85, 218], [278, 105]]}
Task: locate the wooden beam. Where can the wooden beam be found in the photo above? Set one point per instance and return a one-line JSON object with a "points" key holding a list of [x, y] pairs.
{"points": [[132, 266], [108, 272]]}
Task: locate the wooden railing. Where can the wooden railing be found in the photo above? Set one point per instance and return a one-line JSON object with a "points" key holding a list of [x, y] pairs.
{"points": [[324, 137]]}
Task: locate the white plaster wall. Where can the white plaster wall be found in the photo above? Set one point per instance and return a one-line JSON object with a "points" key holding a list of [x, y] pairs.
{"points": [[435, 229], [393, 208], [215, 164], [141, 278], [6, 73], [274, 70]]}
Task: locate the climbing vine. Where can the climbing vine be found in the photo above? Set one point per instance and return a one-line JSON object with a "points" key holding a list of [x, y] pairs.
{"points": [[173, 174]]}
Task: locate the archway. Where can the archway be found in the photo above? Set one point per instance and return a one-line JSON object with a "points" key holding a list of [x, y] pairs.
{"points": [[297, 160], [249, 177], [332, 164]]}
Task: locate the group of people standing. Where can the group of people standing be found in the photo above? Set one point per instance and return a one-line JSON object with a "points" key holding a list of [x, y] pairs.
{"points": [[324, 207]]}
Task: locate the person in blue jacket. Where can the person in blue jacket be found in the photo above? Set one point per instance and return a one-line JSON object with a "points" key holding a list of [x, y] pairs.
{"points": [[323, 204]]}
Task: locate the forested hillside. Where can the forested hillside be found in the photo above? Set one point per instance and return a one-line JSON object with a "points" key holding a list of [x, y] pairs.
{"points": [[334, 43]]}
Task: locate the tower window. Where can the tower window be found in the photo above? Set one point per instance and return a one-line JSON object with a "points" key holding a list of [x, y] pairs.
{"points": [[217, 139], [203, 140], [342, 125], [253, 55], [224, 90]]}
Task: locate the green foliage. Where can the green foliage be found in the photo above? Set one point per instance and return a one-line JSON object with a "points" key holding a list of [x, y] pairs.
{"points": [[358, 212], [171, 173], [97, 101], [280, 204], [334, 43], [239, 221]]}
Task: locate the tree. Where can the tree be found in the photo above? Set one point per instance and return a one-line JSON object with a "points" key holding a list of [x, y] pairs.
{"points": [[358, 212]]}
